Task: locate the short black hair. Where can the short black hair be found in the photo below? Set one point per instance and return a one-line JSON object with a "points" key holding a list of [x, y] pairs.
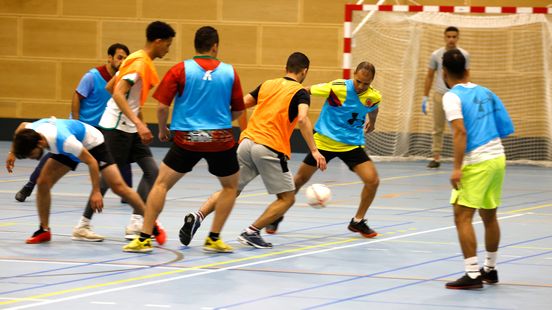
{"points": [[205, 38], [451, 28], [159, 30], [24, 142], [455, 63], [297, 62], [366, 66], [116, 46]]}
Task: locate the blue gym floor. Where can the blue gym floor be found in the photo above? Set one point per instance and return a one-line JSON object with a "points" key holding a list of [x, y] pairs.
{"points": [[315, 263]]}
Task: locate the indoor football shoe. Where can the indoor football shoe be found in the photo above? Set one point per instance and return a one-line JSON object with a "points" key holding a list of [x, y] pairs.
{"points": [[188, 230], [216, 246], [489, 277], [254, 240], [23, 193], [362, 228], [40, 236], [85, 233], [137, 246], [159, 233], [465, 283]]}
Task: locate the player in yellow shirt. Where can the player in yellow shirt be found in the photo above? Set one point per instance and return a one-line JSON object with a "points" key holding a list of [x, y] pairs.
{"points": [[340, 133]]}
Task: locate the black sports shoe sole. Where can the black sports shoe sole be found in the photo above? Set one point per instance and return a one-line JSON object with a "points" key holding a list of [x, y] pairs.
{"points": [[185, 233], [464, 287]]}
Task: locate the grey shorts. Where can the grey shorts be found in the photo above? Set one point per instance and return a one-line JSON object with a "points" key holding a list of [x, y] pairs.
{"points": [[257, 159]]}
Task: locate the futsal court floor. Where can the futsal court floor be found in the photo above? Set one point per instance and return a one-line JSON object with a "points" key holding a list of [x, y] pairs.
{"points": [[316, 263]]}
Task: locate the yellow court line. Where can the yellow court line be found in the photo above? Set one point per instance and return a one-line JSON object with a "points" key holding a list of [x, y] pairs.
{"points": [[156, 275], [244, 259], [530, 208]]}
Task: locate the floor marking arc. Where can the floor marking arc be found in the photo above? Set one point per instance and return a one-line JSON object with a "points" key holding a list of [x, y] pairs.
{"points": [[210, 271]]}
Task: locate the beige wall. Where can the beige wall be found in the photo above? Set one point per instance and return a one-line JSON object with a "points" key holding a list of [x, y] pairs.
{"points": [[47, 45]]}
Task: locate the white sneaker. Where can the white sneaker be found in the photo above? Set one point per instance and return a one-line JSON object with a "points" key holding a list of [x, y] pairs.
{"points": [[132, 231], [85, 233]]}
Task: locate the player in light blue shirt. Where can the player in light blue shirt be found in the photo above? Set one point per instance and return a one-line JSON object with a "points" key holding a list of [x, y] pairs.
{"points": [[479, 121]]}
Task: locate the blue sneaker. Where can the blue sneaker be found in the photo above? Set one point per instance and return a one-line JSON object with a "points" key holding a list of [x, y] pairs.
{"points": [[187, 232]]}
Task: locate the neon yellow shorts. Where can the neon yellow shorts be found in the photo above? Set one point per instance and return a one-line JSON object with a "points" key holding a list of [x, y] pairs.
{"points": [[481, 184]]}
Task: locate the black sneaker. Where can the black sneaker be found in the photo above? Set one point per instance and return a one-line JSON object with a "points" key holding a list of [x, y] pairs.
{"points": [[489, 277], [434, 164], [465, 283], [272, 228], [23, 193], [362, 228], [187, 232], [254, 240]]}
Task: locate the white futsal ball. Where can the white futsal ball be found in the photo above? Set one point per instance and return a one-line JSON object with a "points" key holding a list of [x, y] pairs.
{"points": [[318, 195]]}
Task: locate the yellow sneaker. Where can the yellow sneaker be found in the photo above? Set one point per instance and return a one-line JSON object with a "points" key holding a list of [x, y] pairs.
{"points": [[216, 246], [136, 246]]}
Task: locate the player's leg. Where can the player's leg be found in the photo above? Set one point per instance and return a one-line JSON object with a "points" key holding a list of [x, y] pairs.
{"points": [[225, 166], [305, 172], [28, 188], [53, 170], [438, 129], [466, 200], [277, 178], [490, 221], [248, 172], [360, 163], [156, 200]]}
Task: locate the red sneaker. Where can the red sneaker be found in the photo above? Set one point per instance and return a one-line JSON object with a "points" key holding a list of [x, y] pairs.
{"points": [[39, 236], [159, 233]]}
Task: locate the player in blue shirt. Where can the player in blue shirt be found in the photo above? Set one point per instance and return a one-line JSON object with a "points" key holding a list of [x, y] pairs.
{"points": [[68, 141], [478, 120]]}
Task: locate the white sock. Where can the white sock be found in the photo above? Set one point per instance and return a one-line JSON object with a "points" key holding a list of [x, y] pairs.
{"points": [[490, 261], [472, 267], [356, 220], [83, 222]]}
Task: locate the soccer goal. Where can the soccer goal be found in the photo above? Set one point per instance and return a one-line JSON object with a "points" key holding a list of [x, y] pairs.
{"points": [[510, 50]]}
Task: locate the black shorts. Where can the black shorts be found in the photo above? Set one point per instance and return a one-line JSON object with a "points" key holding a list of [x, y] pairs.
{"points": [[100, 153], [125, 147], [350, 158], [221, 164]]}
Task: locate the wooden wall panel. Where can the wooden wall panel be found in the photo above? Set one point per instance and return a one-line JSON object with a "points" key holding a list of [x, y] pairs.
{"points": [[100, 8], [285, 11], [8, 36], [180, 10], [59, 38], [27, 79], [41, 7], [320, 44]]}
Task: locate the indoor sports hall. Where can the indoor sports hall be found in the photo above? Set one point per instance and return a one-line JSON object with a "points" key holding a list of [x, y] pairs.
{"points": [[316, 262]]}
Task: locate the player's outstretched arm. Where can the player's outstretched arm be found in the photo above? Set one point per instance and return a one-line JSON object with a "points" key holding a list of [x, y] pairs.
{"points": [[96, 198]]}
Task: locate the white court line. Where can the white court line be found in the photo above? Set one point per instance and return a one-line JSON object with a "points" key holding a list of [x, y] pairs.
{"points": [[210, 271], [103, 302]]}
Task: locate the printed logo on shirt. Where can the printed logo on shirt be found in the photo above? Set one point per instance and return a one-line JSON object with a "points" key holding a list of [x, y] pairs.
{"points": [[207, 75]]}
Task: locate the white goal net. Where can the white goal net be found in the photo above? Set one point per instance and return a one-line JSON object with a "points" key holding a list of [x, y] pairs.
{"points": [[510, 54]]}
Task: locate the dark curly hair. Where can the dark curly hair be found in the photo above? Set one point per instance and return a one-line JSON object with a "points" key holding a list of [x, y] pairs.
{"points": [[24, 142]]}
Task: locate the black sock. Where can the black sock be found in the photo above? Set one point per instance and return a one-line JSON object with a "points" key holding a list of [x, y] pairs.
{"points": [[144, 236], [155, 230], [214, 236]]}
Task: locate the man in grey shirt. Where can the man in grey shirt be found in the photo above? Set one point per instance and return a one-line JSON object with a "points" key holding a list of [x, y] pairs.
{"points": [[452, 35]]}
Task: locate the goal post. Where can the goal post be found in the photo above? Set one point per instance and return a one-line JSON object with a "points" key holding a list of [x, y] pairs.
{"points": [[510, 53]]}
